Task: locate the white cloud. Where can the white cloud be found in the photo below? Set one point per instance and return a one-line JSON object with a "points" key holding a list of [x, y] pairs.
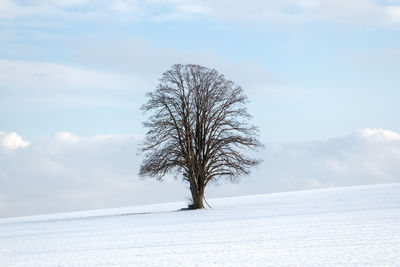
{"points": [[124, 6], [366, 12], [150, 62], [393, 14], [71, 172], [379, 134], [67, 137], [10, 9], [68, 2], [37, 76], [40, 84], [369, 156], [12, 141], [384, 57]]}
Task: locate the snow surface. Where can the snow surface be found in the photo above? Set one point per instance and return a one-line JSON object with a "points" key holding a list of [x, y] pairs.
{"points": [[340, 226]]}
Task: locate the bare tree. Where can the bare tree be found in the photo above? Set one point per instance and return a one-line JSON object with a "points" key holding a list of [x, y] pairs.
{"points": [[198, 128]]}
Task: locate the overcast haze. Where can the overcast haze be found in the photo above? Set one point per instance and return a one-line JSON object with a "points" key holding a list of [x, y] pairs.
{"points": [[322, 79]]}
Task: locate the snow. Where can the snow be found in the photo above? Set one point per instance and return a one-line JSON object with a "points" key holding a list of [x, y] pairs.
{"points": [[338, 226]]}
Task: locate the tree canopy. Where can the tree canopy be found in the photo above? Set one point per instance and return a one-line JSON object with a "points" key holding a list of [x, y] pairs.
{"points": [[198, 128]]}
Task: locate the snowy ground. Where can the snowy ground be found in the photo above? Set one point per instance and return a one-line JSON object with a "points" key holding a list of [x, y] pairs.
{"points": [[342, 226]]}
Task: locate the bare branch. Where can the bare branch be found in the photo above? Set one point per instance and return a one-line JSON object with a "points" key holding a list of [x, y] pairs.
{"points": [[198, 128]]}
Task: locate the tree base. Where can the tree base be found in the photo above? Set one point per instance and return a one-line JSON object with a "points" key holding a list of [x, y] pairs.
{"points": [[195, 207]]}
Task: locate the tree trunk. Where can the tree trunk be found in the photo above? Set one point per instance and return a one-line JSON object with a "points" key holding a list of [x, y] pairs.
{"points": [[197, 198]]}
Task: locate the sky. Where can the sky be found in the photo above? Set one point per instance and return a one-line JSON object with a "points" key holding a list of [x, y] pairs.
{"points": [[321, 76]]}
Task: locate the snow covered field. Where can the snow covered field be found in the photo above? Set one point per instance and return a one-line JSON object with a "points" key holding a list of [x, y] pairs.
{"points": [[340, 226]]}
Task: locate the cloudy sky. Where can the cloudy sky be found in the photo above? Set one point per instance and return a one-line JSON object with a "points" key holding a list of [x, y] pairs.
{"points": [[322, 77]]}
